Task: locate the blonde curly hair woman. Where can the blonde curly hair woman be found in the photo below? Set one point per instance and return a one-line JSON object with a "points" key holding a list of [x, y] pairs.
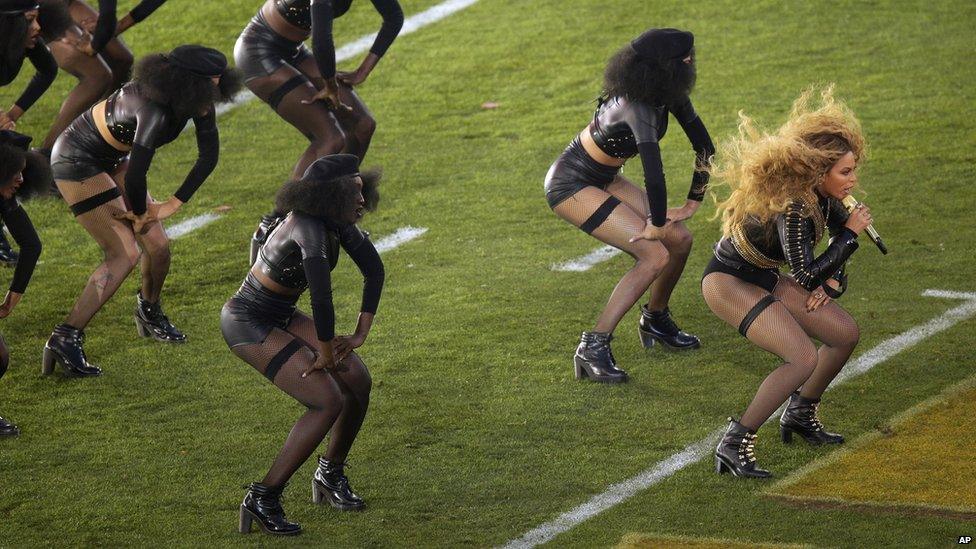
{"points": [[786, 191]]}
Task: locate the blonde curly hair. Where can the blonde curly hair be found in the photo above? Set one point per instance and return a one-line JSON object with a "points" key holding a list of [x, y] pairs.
{"points": [[768, 171]]}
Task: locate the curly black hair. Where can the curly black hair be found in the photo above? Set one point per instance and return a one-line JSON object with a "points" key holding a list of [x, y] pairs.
{"points": [[657, 81], [13, 35], [54, 19], [328, 199], [34, 166], [186, 93]]}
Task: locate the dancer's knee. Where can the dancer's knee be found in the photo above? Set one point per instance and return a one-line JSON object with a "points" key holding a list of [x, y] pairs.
{"points": [[330, 143], [652, 259], [364, 128], [804, 358], [680, 241], [126, 257]]}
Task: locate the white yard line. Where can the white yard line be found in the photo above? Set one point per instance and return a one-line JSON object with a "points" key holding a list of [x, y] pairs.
{"points": [[191, 224], [704, 447], [400, 236], [586, 262], [362, 44]]}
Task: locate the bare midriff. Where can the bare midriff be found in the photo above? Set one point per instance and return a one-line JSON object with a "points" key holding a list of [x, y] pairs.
{"points": [[98, 115], [595, 152], [272, 285], [280, 26]]}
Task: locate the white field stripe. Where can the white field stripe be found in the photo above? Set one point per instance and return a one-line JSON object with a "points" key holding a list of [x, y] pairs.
{"points": [[362, 44], [695, 452], [401, 236], [192, 224], [584, 263]]}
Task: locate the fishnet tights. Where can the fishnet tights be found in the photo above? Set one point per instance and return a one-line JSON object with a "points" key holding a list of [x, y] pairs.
{"points": [[784, 328], [335, 401]]}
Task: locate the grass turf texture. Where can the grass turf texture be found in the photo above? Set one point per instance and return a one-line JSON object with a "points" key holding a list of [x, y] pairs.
{"points": [[921, 462], [477, 431], [644, 541]]}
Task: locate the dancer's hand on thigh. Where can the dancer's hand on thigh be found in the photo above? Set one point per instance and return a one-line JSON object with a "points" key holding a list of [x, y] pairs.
{"points": [[651, 232], [345, 345], [684, 212], [818, 297]]}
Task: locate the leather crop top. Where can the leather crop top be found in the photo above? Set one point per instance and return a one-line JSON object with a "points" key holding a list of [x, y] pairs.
{"points": [[622, 128], [316, 16], [133, 119], [301, 251], [790, 238]]}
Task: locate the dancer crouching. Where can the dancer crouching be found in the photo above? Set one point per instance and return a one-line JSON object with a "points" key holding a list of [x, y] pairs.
{"points": [[22, 175], [262, 326], [786, 192]]}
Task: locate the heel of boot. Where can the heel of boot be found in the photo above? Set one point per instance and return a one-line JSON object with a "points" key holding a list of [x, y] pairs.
{"points": [[786, 434], [646, 339], [244, 524], [316, 493], [578, 369], [721, 467], [143, 332], [48, 361]]}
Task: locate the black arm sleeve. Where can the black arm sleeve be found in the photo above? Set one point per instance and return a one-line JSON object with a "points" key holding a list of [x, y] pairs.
{"points": [[150, 121], [657, 190], [47, 71], [322, 45], [208, 152], [317, 271], [796, 237], [837, 216], [697, 134], [392, 23], [364, 254], [24, 234], [145, 9], [105, 27]]}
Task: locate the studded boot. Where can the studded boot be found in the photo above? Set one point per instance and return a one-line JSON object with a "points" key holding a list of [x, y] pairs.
{"points": [[331, 484], [8, 429], [735, 453], [659, 326], [800, 417], [66, 347], [152, 322], [262, 504], [594, 360]]}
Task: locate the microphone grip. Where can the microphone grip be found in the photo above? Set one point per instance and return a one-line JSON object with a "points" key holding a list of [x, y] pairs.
{"points": [[850, 203]]}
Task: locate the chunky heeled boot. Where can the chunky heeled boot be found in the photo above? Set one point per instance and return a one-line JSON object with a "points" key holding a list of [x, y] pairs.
{"points": [[8, 429], [263, 504], [735, 453], [330, 483], [66, 347], [260, 236], [659, 326], [594, 360], [152, 322], [800, 417], [8, 256]]}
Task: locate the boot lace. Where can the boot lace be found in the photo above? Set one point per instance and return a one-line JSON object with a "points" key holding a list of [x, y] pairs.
{"points": [[747, 449]]}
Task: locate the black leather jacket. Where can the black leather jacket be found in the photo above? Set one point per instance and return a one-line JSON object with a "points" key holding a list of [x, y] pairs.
{"points": [[790, 238]]}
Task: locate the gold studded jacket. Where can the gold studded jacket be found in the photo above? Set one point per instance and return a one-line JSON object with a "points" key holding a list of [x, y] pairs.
{"points": [[790, 238]]}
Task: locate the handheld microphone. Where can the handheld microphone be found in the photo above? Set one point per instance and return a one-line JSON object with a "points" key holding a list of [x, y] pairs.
{"points": [[850, 203]]}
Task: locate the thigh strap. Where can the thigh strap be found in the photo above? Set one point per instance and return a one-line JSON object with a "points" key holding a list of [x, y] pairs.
{"points": [[282, 91], [754, 312], [600, 215], [280, 359], [93, 202]]}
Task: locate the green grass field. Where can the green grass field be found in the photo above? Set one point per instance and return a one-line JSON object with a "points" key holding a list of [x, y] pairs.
{"points": [[477, 431]]}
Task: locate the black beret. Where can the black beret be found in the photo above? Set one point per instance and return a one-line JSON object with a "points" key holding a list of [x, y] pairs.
{"points": [[14, 139], [663, 44], [199, 60], [332, 167], [13, 7]]}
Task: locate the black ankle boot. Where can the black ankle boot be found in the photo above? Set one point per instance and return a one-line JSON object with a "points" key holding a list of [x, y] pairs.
{"points": [[330, 483], [260, 236], [8, 429], [659, 326], [8, 256], [152, 322], [594, 360], [735, 453], [263, 504], [800, 417], [66, 347]]}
